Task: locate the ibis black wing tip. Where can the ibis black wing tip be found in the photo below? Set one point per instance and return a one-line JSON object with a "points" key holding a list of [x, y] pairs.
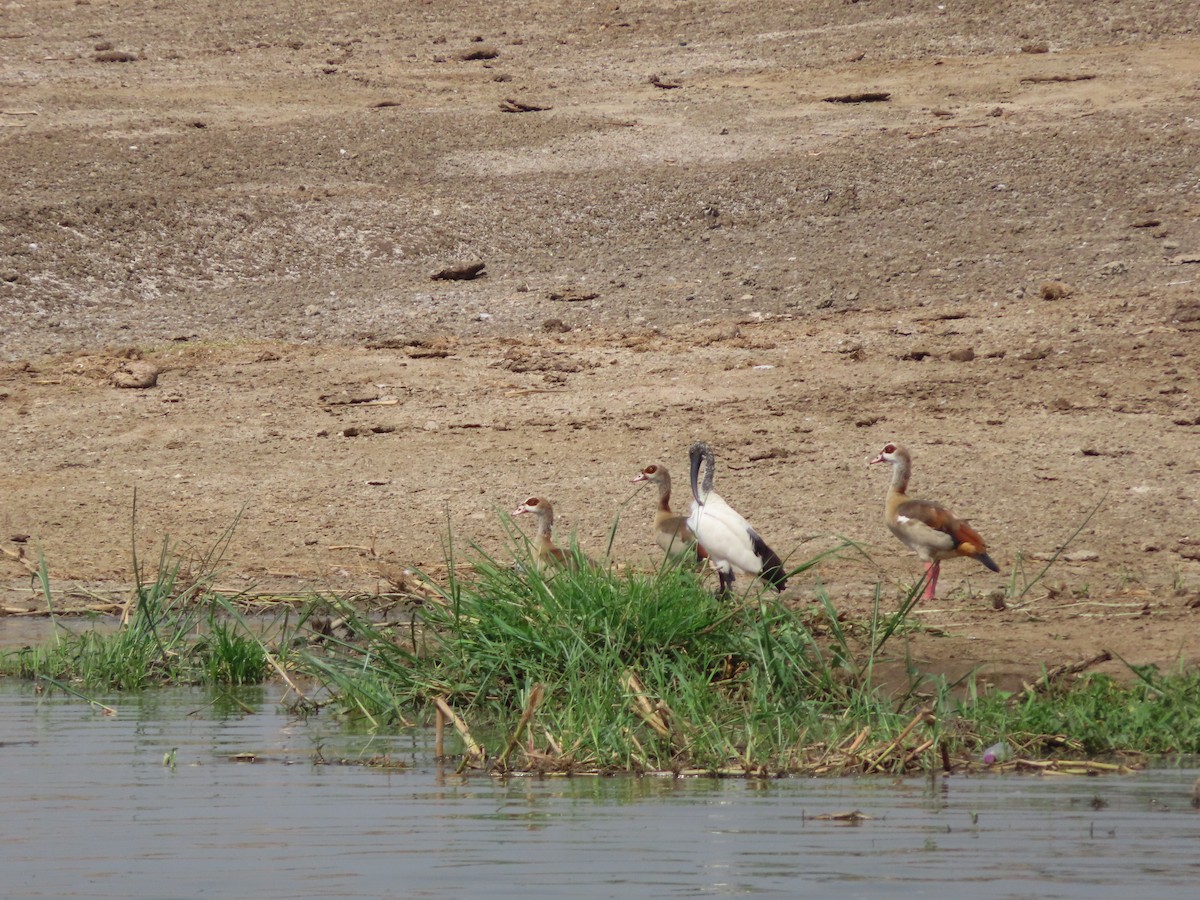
{"points": [[772, 566]]}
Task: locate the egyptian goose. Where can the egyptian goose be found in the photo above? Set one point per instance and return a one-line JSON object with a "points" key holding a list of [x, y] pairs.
{"points": [[671, 532], [727, 538], [928, 528], [544, 551]]}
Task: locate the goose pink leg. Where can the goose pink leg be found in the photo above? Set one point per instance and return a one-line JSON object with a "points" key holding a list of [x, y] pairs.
{"points": [[932, 570]]}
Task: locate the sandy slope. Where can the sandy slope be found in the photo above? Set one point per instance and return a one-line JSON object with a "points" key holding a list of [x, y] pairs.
{"points": [[256, 203]]}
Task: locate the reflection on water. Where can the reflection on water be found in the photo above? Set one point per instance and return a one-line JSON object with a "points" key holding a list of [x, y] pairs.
{"points": [[90, 810]]}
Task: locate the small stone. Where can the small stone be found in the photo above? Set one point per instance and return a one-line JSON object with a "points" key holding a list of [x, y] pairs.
{"points": [[555, 326], [966, 354], [1116, 267], [1077, 556], [135, 374], [1056, 290], [478, 54], [115, 56]]}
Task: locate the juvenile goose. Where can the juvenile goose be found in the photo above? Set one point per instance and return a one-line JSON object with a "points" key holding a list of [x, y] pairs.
{"points": [[928, 528], [727, 538], [671, 532], [544, 551]]}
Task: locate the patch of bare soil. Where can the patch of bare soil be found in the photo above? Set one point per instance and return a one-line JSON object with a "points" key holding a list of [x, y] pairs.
{"points": [[220, 237]]}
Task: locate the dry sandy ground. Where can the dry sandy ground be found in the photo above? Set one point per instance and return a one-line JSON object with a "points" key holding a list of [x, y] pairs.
{"points": [[997, 264]]}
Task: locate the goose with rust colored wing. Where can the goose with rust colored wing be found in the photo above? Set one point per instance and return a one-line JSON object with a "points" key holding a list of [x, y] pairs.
{"points": [[671, 531], [544, 552], [731, 543], [927, 528]]}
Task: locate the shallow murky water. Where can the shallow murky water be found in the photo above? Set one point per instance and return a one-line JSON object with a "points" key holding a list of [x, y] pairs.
{"points": [[90, 810]]}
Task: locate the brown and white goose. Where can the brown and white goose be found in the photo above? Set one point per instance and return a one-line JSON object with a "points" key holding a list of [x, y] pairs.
{"points": [[671, 532], [544, 551], [727, 538], [927, 528]]}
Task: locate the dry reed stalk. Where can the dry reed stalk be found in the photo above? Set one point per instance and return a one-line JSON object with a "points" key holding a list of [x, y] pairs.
{"points": [[642, 705], [858, 741], [439, 733], [127, 609], [912, 754], [270, 657], [1047, 681], [19, 557], [923, 716], [107, 609], [474, 751], [531, 705], [1072, 767]]}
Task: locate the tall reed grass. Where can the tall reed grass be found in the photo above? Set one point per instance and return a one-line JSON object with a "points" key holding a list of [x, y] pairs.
{"points": [[588, 669], [632, 671], [176, 629]]}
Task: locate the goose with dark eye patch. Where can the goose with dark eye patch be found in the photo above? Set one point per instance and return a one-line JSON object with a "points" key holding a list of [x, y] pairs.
{"points": [[671, 532], [731, 543], [544, 552], [927, 528]]}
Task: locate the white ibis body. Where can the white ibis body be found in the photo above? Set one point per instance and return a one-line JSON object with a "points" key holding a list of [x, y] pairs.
{"points": [[730, 542]]}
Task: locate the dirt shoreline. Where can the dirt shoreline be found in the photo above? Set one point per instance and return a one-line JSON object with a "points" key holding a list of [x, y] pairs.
{"points": [[996, 265]]}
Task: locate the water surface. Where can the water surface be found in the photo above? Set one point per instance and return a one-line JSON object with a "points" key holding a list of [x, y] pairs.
{"points": [[90, 810]]}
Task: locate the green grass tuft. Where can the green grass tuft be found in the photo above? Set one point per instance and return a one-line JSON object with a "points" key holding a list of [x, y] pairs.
{"points": [[637, 670], [176, 632], [1098, 715]]}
